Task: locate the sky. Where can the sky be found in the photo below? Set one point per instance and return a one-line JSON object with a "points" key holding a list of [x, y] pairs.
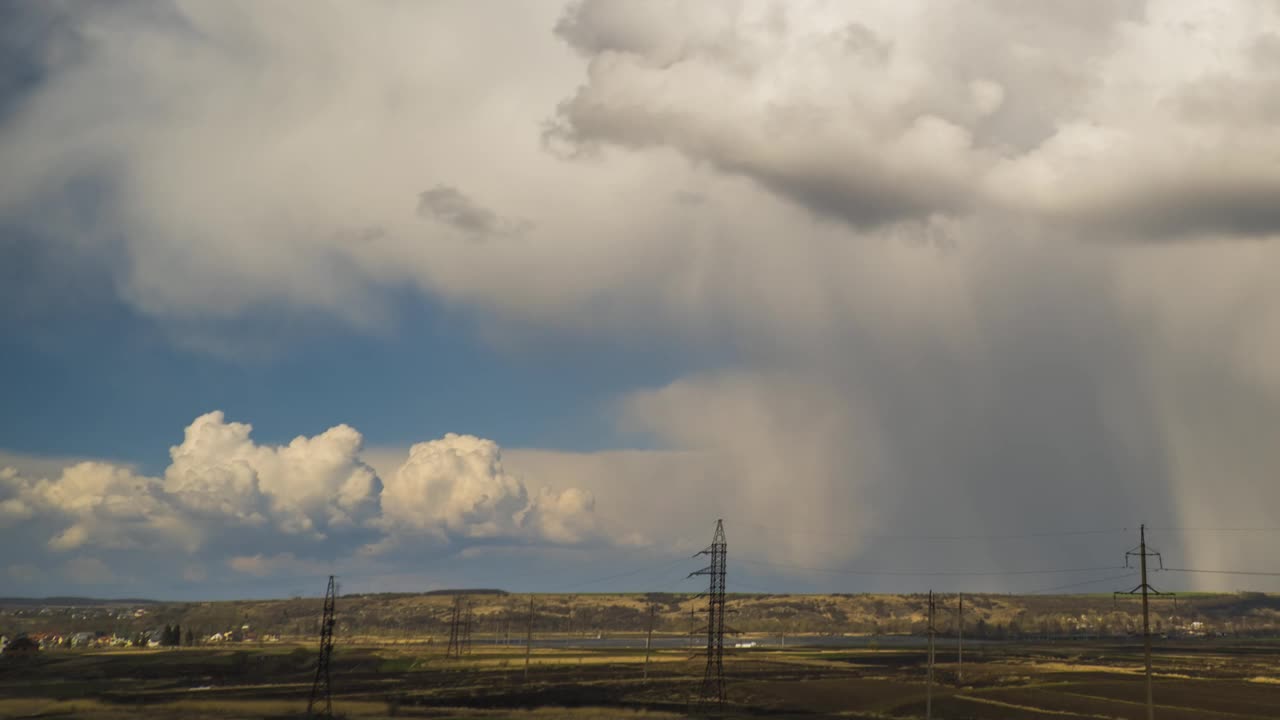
{"points": [[950, 295]]}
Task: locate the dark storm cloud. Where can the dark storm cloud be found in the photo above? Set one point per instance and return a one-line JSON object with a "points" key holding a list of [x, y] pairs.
{"points": [[977, 108], [1172, 209], [647, 90], [1043, 417], [850, 128]]}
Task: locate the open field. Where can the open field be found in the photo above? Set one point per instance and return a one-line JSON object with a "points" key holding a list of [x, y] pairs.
{"points": [[1069, 680]]}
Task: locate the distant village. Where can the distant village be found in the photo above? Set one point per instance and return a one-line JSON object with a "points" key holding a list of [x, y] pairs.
{"points": [[167, 635], [47, 624]]}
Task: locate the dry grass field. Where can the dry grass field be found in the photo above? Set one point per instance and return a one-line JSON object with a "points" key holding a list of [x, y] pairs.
{"points": [[1067, 681]]}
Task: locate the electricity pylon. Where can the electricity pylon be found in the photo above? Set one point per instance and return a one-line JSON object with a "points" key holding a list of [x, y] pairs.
{"points": [[320, 688], [713, 688], [1145, 588]]}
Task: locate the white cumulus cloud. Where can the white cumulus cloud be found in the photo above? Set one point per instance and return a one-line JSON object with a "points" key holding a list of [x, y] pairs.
{"points": [[228, 501], [307, 486], [457, 485]]}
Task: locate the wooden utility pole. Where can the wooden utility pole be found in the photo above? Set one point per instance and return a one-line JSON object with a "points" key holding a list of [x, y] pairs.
{"points": [[960, 639], [528, 640], [648, 642], [928, 692]]}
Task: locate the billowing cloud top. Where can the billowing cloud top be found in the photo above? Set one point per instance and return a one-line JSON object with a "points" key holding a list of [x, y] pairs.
{"points": [[307, 486], [458, 484], [886, 113], [225, 498]]}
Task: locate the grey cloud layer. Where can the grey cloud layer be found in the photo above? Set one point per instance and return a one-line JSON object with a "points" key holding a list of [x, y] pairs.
{"points": [[891, 200], [876, 116], [451, 206]]}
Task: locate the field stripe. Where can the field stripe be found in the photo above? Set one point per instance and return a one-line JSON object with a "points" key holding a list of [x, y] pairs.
{"points": [[1029, 708], [1205, 711]]}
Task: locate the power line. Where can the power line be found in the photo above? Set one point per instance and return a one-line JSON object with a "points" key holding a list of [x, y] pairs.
{"points": [[943, 538], [742, 587], [558, 572], [662, 568], [666, 564], [1217, 529], [1095, 581], [1257, 573], [929, 573]]}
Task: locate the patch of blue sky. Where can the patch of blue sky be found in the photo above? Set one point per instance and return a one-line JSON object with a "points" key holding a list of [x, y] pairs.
{"points": [[95, 378]]}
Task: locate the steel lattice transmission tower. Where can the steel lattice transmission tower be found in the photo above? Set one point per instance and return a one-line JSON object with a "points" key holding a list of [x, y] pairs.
{"points": [[713, 688], [320, 688]]}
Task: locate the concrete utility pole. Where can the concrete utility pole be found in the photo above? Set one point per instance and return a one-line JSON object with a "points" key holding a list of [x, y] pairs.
{"points": [[1146, 621], [464, 647], [459, 628], [928, 692], [1146, 589], [648, 641], [960, 639], [528, 640], [693, 625]]}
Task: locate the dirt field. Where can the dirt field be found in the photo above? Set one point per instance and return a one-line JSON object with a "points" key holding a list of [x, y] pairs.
{"points": [[1195, 681]]}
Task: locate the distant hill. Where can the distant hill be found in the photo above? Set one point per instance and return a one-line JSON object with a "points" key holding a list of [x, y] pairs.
{"points": [[498, 613], [69, 601], [451, 592]]}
